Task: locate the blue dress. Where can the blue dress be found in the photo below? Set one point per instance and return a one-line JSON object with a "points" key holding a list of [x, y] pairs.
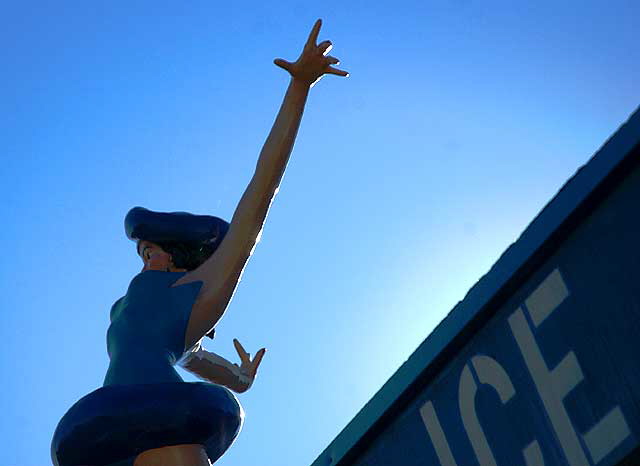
{"points": [[148, 326], [144, 403]]}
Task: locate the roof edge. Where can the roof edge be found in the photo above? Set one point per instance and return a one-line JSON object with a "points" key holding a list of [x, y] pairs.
{"points": [[548, 221]]}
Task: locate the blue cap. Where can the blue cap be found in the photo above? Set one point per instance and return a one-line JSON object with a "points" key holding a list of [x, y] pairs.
{"points": [[183, 227]]}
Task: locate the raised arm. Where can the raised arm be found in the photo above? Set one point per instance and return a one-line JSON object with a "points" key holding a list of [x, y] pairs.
{"points": [[222, 271]]}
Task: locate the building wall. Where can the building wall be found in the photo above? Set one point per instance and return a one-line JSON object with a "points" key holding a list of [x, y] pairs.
{"points": [[553, 378]]}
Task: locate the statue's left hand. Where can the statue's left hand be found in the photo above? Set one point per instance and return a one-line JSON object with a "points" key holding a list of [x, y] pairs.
{"points": [[313, 62], [248, 368]]}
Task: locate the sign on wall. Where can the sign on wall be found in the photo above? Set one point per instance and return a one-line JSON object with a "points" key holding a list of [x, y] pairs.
{"points": [[539, 364], [553, 377]]}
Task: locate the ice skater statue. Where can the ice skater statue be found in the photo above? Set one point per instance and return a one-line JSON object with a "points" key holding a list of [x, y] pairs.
{"points": [[145, 415]]}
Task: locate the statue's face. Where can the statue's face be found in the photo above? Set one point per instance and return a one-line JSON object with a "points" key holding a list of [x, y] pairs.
{"points": [[154, 257]]}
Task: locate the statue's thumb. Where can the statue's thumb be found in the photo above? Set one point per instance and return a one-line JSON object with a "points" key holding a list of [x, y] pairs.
{"points": [[282, 63]]}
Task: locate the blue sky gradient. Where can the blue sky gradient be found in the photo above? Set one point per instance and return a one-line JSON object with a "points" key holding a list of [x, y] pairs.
{"points": [[459, 121]]}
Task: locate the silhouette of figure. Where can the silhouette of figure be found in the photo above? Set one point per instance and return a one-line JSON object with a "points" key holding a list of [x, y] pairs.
{"points": [[145, 415]]}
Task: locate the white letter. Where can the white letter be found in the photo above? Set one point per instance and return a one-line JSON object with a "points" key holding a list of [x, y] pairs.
{"points": [[554, 385], [438, 438]]}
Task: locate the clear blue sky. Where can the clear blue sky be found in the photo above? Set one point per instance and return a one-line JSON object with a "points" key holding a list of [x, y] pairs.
{"points": [[459, 121]]}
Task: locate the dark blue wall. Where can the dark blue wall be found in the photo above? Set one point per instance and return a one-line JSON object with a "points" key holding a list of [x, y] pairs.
{"points": [[563, 350]]}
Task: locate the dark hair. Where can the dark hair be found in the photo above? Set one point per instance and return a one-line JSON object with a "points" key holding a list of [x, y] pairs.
{"points": [[187, 255], [189, 239]]}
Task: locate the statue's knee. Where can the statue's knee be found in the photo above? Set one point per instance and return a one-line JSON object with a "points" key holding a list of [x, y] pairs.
{"points": [[187, 455]]}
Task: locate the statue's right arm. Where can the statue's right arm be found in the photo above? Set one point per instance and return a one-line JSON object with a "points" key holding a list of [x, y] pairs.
{"points": [[221, 273]]}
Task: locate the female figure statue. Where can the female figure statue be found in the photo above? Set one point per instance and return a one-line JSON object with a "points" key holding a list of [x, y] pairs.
{"points": [[145, 415]]}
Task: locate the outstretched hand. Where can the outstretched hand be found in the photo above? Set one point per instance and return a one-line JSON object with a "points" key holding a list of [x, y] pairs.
{"points": [[248, 368], [313, 62]]}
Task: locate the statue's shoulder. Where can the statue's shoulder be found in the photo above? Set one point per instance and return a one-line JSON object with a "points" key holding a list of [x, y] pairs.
{"points": [[153, 278]]}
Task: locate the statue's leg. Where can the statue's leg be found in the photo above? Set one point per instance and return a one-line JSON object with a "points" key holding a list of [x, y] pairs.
{"points": [[184, 455]]}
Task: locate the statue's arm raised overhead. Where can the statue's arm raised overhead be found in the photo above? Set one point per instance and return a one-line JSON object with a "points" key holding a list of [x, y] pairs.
{"points": [[221, 272]]}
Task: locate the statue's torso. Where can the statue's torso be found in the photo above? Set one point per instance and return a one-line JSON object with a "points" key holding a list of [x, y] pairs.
{"points": [[147, 331]]}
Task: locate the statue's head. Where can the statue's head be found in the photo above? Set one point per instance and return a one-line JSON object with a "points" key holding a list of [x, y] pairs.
{"points": [[175, 241], [172, 256], [154, 257]]}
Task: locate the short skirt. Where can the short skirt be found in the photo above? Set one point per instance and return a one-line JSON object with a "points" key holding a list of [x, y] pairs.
{"points": [[116, 423]]}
